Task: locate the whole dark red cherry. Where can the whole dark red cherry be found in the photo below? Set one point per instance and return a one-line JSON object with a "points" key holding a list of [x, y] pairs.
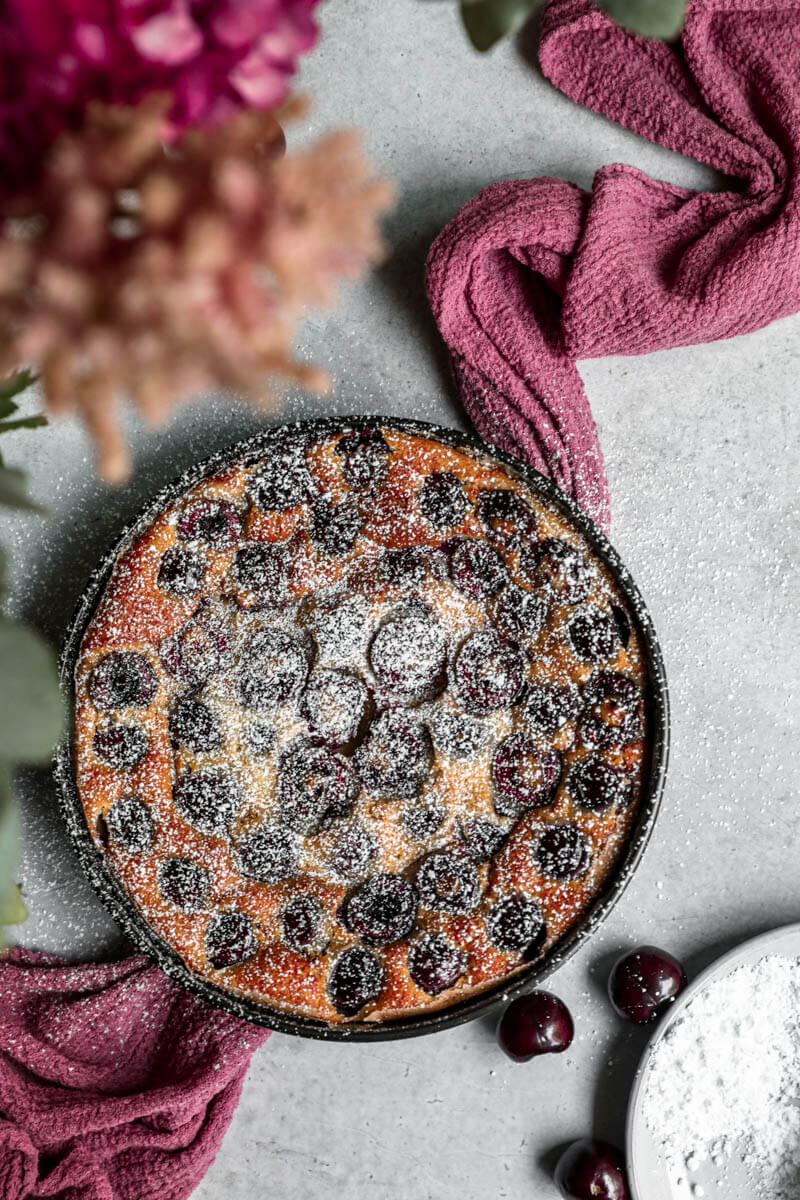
{"points": [[591, 1170], [538, 1023], [645, 982]]}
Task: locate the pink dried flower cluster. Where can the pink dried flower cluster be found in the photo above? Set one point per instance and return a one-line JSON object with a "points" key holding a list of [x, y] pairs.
{"points": [[134, 271], [212, 56]]}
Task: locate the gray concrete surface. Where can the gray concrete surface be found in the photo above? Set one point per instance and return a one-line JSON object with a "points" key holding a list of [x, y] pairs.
{"points": [[702, 452]]}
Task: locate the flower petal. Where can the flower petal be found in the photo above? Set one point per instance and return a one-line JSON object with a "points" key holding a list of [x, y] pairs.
{"points": [[169, 38]]}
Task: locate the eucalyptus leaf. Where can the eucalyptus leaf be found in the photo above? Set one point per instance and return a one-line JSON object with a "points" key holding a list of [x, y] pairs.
{"points": [[650, 18], [14, 490], [9, 828], [487, 21], [9, 846], [31, 706], [12, 906], [34, 422]]}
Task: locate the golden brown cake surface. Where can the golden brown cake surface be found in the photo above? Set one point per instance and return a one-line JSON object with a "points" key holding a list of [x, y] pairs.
{"points": [[359, 725]]}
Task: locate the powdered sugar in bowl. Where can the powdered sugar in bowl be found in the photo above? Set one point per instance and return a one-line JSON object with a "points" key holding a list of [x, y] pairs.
{"points": [[715, 1107]]}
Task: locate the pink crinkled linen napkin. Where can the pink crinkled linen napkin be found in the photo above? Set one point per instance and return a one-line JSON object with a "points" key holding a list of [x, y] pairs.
{"points": [[115, 1082], [535, 274]]}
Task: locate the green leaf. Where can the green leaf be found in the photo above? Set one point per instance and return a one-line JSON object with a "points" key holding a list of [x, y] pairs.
{"points": [[12, 387], [3, 571], [9, 847], [9, 828], [31, 707], [487, 21], [12, 906], [650, 18], [20, 381], [13, 490], [34, 422]]}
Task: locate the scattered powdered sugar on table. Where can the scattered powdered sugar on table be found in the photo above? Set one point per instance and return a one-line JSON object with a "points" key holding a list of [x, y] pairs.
{"points": [[724, 1081]]}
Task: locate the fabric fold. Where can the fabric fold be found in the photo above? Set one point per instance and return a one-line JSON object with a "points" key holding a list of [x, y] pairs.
{"points": [[533, 275], [115, 1082]]}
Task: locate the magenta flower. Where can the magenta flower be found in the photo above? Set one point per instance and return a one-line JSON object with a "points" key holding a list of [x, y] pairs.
{"points": [[213, 56]]}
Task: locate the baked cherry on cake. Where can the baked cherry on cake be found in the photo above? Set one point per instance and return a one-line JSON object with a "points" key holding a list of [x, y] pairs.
{"points": [[360, 725]]}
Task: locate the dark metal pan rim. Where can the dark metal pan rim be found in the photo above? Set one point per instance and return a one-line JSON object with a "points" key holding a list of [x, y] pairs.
{"points": [[131, 920]]}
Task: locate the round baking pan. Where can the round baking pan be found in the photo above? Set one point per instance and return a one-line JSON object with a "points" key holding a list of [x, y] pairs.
{"points": [[132, 921]]}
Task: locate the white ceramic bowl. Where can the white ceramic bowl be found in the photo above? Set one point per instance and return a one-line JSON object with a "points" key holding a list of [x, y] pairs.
{"points": [[647, 1171]]}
